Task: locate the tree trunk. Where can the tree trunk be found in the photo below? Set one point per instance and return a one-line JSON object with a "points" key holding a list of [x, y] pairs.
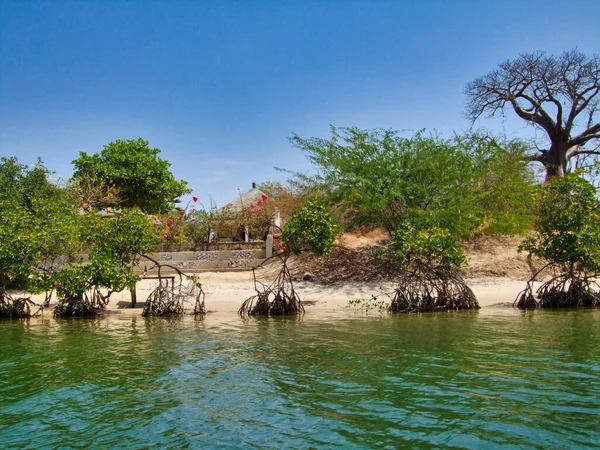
{"points": [[555, 159]]}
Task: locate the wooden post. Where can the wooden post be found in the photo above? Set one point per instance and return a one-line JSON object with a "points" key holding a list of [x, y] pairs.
{"points": [[133, 296]]}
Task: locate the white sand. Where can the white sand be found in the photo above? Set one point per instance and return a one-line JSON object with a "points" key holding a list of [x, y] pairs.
{"points": [[226, 291]]}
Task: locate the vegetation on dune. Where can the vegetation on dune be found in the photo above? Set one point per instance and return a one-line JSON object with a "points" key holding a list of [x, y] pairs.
{"points": [[466, 184], [425, 191], [311, 228]]}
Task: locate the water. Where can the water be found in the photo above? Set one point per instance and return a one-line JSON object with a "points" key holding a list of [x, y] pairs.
{"points": [[496, 378]]}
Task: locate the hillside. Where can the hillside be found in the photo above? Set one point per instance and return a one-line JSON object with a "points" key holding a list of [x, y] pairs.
{"points": [[488, 257]]}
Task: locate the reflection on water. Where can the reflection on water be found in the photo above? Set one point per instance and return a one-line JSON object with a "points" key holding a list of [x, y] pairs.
{"points": [[488, 379]]}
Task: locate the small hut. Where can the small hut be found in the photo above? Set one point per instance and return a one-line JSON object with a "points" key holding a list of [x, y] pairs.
{"points": [[246, 218]]}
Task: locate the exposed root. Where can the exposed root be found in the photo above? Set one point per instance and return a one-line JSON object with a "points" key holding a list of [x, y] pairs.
{"points": [[424, 289], [276, 299], [428, 290], [83, 305], [172, 293], [566, 289], [164, 301], [15, 308]]}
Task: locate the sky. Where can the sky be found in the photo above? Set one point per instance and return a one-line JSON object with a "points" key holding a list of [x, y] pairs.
{"points": [[220, 86]]}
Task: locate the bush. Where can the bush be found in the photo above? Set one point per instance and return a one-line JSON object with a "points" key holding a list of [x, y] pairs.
{"points": [[429, 276], [567, 235], [311, 228]]}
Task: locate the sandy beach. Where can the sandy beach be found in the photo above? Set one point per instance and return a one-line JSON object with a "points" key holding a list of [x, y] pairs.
{"points": [[226, 291]]}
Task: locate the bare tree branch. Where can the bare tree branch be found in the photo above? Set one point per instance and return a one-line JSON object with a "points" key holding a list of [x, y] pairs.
{"points": [[550, 93]]}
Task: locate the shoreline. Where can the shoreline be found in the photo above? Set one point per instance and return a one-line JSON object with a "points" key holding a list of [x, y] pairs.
{"points": [[226, 291]]}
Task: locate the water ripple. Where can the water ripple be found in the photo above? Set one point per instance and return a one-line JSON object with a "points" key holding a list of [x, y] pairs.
{"points": [[506, 380]]}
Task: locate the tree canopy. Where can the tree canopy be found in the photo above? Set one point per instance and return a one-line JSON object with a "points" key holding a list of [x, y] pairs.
{"points": [[559, 95], [134, 170], [38, 222], [466, 184]]}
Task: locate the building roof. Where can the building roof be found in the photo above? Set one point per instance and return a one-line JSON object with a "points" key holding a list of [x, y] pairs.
{"points": [[246, 199]]}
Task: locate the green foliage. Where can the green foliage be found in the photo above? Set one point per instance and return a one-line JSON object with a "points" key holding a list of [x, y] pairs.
{"points": [[38, 224], [428, 276], [311, 228], [568, 237], [134, 169], [114, 246], [465, 185], [119, 239], [20, 247], [432, 248], [568, 225], [41, 231]]}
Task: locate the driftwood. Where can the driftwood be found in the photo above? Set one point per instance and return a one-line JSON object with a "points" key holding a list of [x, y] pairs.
{"points": [[275, 299], [172, 293]]}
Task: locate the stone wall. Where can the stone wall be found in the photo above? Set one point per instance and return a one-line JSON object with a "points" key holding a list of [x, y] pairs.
{"points": [[241, 256]]}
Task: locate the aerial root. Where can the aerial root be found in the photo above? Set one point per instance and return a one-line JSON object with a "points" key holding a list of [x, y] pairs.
{"points": [[169, 299], [422, 291], [82, 305], [563, 290], [15, 308], [277, 299]]}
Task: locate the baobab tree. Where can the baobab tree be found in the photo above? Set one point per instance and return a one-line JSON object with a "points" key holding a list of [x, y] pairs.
{"points": [[558, 95]]}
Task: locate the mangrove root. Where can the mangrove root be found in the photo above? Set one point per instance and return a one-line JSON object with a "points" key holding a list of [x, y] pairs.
{"points": [[429, 290], [15, 308], [173, 292], [423, 289], [276, 299], [82, 305], [566, 289]]}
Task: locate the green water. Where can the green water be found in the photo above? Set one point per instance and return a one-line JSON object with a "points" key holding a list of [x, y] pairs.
{"points": [[497, 378]]}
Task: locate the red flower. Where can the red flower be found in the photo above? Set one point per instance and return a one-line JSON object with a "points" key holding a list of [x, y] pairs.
{"points": [[170, 217], [264, 197], [181, 213], [193, 220], [169, 224], [195, 199]]}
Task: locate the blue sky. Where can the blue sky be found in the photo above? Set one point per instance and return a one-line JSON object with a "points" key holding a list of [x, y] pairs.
{"points": [[219, 86]]}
